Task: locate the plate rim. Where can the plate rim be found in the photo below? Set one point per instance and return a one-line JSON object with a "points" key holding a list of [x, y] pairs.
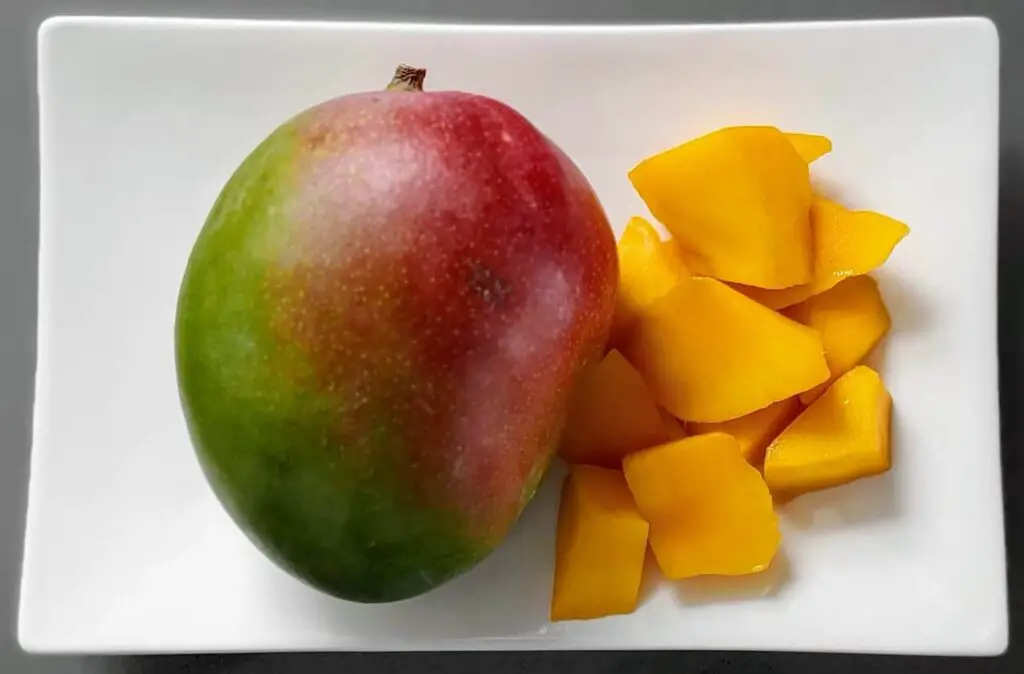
{"points": [[57, 21]]}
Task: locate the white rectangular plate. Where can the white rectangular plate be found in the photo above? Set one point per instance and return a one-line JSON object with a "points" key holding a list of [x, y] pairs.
{"points": [[143, 120]]}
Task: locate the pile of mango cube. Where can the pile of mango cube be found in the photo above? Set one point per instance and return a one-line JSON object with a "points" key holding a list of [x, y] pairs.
{"points": [[734, 379]]}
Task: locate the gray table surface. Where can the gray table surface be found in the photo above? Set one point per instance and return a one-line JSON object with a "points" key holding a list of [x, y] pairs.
{"points": [[18, 248]]}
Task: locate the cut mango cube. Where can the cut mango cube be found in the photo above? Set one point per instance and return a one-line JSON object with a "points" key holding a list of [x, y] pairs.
{"points": [[709, 510], [841, 437], [846, 243], [709, 353], [611, 413], [648, 269], [756, 430], [852, 320], [601, 545], [809, 146], [738, 199]]}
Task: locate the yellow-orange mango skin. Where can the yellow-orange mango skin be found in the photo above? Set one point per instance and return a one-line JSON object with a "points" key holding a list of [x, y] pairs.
{"points": [[648, 269], [738, 199], [851, 319], [709, 353], [841, 437], [753, 432], [709, 510], [846, 243], [600, 549], [611, 413], [809, 146]]}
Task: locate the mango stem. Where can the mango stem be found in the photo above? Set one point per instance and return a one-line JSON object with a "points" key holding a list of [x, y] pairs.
{"points": [[407, 78]]}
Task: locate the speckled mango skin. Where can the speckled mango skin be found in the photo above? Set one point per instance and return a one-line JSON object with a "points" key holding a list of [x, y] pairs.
{"points": [[377, 331]]}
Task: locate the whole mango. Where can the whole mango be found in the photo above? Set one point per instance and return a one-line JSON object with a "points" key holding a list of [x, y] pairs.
{"points": [[378, 330]]}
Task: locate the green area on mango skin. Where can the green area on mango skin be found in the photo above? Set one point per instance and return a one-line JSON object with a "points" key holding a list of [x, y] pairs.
{"points": [[261, 428]]}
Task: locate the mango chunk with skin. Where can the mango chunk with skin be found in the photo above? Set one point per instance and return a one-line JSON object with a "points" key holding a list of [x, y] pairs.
{"points": [[851, 319], [846, 243], [710, 511], [709, 353], [738, 199], [809, 146], [600, 548], [648, 269], [611, 413], [841, 437], [753, 432]]}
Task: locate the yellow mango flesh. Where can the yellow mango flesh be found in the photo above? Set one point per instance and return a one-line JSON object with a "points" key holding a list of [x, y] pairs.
{"points": [[709, 353], [709, 510], [809, 146], [842, 436], [753, 432], [648, 269], [600, 549], [738, 199], [846, 243], [674, 427], [851, 319], [611, 413]]}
